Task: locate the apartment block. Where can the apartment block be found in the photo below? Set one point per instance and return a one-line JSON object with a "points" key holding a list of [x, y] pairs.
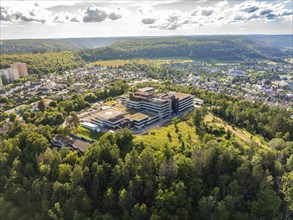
{"points": [[13, 74], [21, 68]]}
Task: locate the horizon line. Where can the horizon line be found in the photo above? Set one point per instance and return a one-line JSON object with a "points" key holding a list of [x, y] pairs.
{"points": [[148, 36]]}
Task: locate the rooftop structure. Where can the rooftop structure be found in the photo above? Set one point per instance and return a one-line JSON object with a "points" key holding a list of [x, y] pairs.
{"points": [[73, 143], [109, 114], [109, 117], [91, 126], [180, 95], [146, 89]]}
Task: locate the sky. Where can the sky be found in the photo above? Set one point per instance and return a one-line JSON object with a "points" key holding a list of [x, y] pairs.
{"points": [[113, 18]]}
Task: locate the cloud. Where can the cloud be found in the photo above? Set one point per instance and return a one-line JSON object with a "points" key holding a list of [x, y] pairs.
{"points": [[265, 12], [148, 20], [74, 20], [39, 14], [93, 14], [287, 13], [217, 14], [33, 14], [31, 19], [4, 16], [114, 16], [205, 12], [250, 9]]}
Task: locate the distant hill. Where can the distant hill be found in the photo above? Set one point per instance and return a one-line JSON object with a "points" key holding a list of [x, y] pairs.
{"points": [[282, 41], [52, 45], [224, 48], [47, 56]]}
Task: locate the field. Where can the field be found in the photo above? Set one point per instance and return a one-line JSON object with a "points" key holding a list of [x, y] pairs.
{"points": [[84, 132], [116, 63]]}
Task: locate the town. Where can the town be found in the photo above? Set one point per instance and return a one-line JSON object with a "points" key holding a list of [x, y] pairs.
{"points": [[269, 83]]}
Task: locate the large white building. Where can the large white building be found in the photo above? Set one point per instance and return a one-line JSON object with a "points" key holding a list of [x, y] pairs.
{"points": [[109, 117], [149, 108], [163, 104]]}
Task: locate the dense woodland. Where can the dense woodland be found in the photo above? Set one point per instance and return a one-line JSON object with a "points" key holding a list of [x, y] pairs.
{"points": [[216, 177]]}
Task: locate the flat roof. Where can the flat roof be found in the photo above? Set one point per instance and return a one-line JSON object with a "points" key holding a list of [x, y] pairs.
{"points": [[181, 95], [82, 145], [158, 100], [108, 114], [146, 89], [138, 116]]}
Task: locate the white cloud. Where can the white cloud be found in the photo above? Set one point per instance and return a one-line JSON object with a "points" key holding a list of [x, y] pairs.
{"points": [[94, 14], [221, 13], [152, 15], [148, 20]]}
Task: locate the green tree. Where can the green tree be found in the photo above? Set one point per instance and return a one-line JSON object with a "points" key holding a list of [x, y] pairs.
{"points": [[12, 117], [41, 105]]}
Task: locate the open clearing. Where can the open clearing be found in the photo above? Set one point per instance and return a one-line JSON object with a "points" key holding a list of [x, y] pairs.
{"points": [[158, 136], [240, 134]]}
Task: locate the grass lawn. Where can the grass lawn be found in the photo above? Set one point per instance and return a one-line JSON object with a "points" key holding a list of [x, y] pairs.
{"points": [[158, 136], [84, 132]]}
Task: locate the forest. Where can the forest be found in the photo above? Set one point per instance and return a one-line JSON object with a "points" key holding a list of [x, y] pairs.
{"points": [[211, 176], [66, 44], [205, 48], [44, 63]]}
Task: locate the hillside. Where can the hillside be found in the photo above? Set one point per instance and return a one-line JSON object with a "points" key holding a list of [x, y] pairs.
{"points": [[52, 45], [205, 48], [220, 48]]}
